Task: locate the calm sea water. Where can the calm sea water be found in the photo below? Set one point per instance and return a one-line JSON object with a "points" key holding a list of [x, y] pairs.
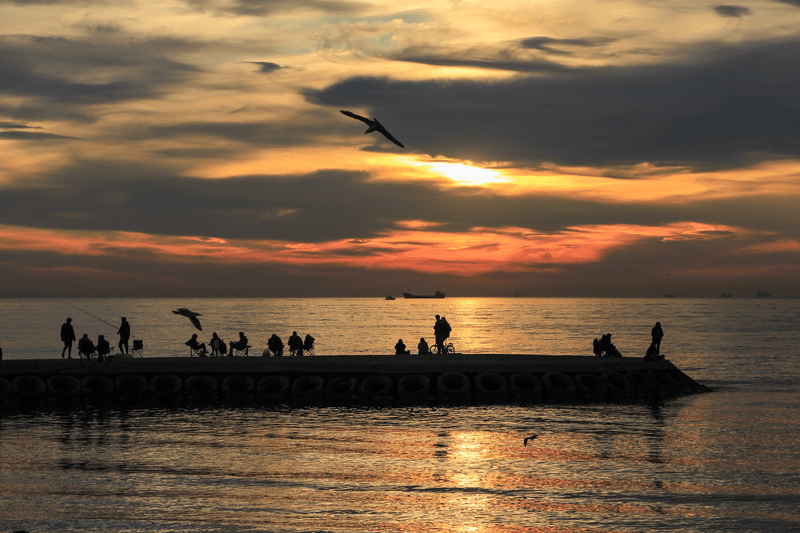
{"points": [[724, 461]]}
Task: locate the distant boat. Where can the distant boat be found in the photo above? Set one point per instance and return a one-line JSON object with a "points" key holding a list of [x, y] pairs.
{"points": [[763, 294], [388, 297], [437, 294], [668, 295], [723, 295]]}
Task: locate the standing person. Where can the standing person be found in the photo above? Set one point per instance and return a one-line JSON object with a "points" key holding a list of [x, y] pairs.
{"points": [[657, 333], [124, 334], [446, 329], [437, 332], [68, 337]]}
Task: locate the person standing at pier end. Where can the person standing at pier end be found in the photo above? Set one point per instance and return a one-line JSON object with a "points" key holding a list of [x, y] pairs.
{"points": [[438, 333], [68, 337], [124, 334], [657, 333]]}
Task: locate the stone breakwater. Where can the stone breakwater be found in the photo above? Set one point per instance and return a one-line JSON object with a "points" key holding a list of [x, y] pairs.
{"points": [[385, 381]]}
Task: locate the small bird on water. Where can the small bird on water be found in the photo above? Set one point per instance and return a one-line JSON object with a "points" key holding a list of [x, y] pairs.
{"points": [[374, 125], [191, 315]]}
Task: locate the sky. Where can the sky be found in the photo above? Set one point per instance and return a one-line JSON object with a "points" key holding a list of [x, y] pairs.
{"points": [[180, 148]]}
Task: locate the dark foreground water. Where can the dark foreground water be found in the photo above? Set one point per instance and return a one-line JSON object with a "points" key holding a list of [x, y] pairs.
{"points": [[724, 461]]}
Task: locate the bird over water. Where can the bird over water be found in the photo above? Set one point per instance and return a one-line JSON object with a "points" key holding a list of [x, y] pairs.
{"points": [[374, 125], [191, 315]]}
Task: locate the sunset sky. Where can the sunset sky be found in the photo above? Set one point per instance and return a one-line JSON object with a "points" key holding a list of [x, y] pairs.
{"points": [[552, 148]]}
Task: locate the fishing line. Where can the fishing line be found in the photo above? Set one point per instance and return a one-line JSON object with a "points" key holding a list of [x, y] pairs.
{"points": [[91, 315]]}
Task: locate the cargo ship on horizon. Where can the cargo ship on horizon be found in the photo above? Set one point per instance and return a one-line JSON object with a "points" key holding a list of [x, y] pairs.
{"points": [[437, 294]]}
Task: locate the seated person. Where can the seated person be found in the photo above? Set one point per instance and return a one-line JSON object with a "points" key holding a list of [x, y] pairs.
{"points": [[652, 352], [422, 346], [217, 345], [103, 347], [196, 346], [240, 345], [295, 344], [85, 345], [596, 346], [275, 345], [400, 348], [308, 343]]}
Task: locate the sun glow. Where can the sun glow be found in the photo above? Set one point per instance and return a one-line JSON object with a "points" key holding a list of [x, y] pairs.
{"points": [[464, 174]]}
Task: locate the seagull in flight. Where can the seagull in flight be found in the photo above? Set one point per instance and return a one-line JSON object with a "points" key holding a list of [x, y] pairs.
{"points": [[374, 125], [191, 315]]}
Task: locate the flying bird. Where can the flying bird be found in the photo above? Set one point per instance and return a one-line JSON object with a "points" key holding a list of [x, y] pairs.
{"points": [[191, 315], [525, 442], [374, 125]]}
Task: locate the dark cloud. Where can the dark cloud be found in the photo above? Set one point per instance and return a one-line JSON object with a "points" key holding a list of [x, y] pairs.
{"points": [[19, 135], [552, 45], [795, 3], [50, 71], [732, 107], [329, 205], [12, 125], [265, 67], [467, 59], [268, 7], [731, 11]]}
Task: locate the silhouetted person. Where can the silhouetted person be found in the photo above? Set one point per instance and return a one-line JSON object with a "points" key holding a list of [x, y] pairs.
{"points": [[308, 343], [295, 344], [400, 348], [68, 337], [657, 333], [422, 347], [438, 334], [103, 347], [217, 345], [124, 333], [275, 345], [446, 329], [652, 352], [85, 346], [196, 346], [596, 347], [240, 345]]}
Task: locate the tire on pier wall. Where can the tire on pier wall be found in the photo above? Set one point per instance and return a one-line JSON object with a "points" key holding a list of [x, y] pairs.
{"points": [[238, 385], [591, 387], [131, 385], [491, 389], [6, 390], [414, 389], [341, 391], [64, 386], [376, 391], [166, 384], [29, 387], [200, 384], [97, 385], [684, 383], [525, 388], [560, 387], [274, 389], [453, 388], [308, 390], [619, 387], [666, 387], [646, 387]]}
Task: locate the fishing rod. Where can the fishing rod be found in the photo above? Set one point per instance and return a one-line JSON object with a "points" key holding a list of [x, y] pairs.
{"points": [[91, 315]]}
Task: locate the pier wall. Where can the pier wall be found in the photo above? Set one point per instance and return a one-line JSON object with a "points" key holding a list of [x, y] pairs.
{"points": [[385, 381]]}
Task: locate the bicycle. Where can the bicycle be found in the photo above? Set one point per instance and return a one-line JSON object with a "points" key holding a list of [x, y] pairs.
{"points": [[446, 349]]}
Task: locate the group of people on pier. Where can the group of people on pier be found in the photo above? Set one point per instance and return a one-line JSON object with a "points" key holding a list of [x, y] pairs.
{"points": [[87, 348], [441, 332], [604, 347]]}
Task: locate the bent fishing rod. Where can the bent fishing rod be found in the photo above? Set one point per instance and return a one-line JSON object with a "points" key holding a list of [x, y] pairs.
{"points": [[91, 315]]}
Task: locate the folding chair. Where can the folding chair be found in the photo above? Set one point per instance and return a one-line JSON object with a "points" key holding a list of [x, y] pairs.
{"points": [[138, 349]]}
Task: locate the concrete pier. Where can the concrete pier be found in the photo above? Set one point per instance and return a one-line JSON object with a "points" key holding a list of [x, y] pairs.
{"points": [[340, 380]]}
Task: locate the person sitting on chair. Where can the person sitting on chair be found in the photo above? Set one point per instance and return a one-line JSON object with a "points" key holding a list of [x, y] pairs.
{"points": [[295, 344], [400, 348], [275, 345], [196, 346], [422, 346], [217, 345], [103, 347], [85, 346], [308, 343], [240, 345]]}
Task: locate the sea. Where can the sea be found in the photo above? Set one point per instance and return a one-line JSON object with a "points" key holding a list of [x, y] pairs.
{"points": [[727, 460]]}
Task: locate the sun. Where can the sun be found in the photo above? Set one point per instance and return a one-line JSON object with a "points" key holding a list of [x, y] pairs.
{"points": [[464, 174]]}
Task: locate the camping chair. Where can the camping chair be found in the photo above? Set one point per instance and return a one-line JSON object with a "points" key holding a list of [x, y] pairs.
{"points": [[199, 352], [308, 345], [236, 352], [138, 349]]}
